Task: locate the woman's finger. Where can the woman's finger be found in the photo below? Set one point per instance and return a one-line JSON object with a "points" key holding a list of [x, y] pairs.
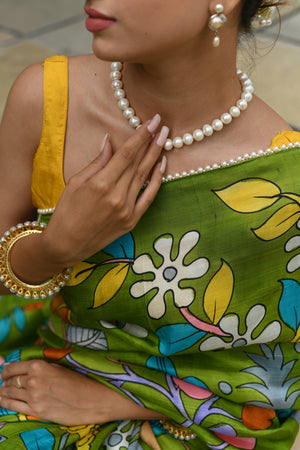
{"points": [[148, 162], [14, 393], [129, 155], [18, 381], [99, 162], [14, 369], [147, 197], [15, 405]]}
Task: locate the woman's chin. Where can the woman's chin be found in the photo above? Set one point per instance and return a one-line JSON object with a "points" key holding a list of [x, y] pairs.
{"points": [[101, 51], [106, 52]]}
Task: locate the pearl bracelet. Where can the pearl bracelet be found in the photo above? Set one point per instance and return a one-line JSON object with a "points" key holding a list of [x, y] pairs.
{"points": [[176, 430], [9, 278]]}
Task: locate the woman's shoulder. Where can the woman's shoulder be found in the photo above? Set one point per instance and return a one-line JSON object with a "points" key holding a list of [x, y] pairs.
{"points": [[27, 90], [24, 105], [258, 127], [268, 121]]}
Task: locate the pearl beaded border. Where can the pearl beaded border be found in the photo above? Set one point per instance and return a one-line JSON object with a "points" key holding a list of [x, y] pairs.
{"points": [[231, 162], [45, 211], [215, 166], [198, 134]]}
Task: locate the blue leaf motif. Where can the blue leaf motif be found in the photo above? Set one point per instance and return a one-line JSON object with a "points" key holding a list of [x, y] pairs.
{"points": [[123, 247], [178, 337], [19, 319], [4, 328], [196, 382], [14, 356], [6, 412], [162, 364], [38, 439], [289, 305]]}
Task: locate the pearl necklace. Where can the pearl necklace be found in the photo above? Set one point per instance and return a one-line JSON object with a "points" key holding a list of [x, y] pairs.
{"points": [[198, 134]]}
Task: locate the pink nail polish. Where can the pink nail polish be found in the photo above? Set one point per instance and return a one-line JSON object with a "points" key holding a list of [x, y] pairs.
{"points": [[103, 143], [163, 165], [164, 132], [153, 125]]}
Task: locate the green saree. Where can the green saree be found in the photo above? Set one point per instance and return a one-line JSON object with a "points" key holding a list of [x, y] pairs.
{"points": [[195, 314]]}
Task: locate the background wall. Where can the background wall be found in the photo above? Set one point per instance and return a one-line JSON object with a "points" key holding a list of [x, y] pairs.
{"points": [[32, 30]]}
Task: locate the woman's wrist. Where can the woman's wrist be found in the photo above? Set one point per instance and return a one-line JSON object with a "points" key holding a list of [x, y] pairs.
{"points": [[38, 279]]}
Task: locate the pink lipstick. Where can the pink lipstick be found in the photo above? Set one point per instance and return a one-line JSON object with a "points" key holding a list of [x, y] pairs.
{"points": [[97, 21]]}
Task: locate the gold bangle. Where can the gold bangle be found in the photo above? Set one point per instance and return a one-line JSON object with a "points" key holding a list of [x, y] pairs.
{"points": [[176, 430], [9, 278]]}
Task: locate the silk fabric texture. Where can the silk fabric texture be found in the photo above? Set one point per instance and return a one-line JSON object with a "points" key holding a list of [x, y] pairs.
{"points": [[195, 313]]}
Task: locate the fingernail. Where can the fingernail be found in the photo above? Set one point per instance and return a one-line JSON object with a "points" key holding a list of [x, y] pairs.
{"points": [[164, 132], [103, 143], [163, 165], [153, 125]]}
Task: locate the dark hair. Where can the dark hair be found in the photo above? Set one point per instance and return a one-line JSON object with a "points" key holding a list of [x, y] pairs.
{"points": [[250, 8]]}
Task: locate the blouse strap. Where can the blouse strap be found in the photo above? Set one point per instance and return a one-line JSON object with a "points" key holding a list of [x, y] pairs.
{"points": [[48, 177]]}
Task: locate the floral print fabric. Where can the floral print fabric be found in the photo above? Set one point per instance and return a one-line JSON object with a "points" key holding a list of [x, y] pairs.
{"points": [[195, 314]]}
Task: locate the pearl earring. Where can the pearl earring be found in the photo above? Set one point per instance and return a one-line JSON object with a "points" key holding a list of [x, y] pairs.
{"points": [[217, 21]]}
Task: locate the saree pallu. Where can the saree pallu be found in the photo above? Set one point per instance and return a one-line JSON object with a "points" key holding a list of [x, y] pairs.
{"points": [[195, 314]]}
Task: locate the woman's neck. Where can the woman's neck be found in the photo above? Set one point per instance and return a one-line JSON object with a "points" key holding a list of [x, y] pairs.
{"points": [[186, 96]]}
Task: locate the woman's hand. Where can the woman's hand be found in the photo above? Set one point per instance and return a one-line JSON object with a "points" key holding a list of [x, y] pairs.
{"points": [[99, 204], [54, 393]]}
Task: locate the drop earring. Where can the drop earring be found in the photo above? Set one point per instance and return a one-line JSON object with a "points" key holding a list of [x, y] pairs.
{"points": [[217, 21]]}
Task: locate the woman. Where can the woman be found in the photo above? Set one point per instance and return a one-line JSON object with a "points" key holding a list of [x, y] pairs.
{"points": [[181, 308]]}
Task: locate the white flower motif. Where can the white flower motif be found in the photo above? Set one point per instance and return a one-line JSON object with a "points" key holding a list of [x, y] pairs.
{"points": [[169, 274], [87, 337], [130, 328], [292, 244], [119, 438], [230, 324]]}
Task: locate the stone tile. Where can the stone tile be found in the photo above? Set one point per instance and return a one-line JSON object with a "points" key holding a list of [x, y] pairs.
{"points": [[5, 37], [29, 15], [13, 60], [276, 77], [70, 40]]}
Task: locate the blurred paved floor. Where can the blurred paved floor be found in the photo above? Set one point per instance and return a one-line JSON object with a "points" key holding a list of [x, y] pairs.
{"points": [[31, 30]]}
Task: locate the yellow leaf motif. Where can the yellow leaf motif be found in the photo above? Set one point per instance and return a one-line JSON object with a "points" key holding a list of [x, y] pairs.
{"points": [[297, 336], [80, 273], [86, 434], [279, 222], [249, 195], [110, 284], [218, 293], [291, 196]]}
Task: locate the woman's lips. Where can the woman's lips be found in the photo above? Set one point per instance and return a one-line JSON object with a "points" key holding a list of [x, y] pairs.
{"points": [[97, 21]]}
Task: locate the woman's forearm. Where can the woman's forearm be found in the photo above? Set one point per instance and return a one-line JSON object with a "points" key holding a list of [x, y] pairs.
{"points": [[55, 393], [115, 406]]}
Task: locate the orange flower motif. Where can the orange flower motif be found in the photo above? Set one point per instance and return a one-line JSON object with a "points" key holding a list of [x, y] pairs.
{"points": [[54, 354], [256, 418], [32, 306], [59, 307]]}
